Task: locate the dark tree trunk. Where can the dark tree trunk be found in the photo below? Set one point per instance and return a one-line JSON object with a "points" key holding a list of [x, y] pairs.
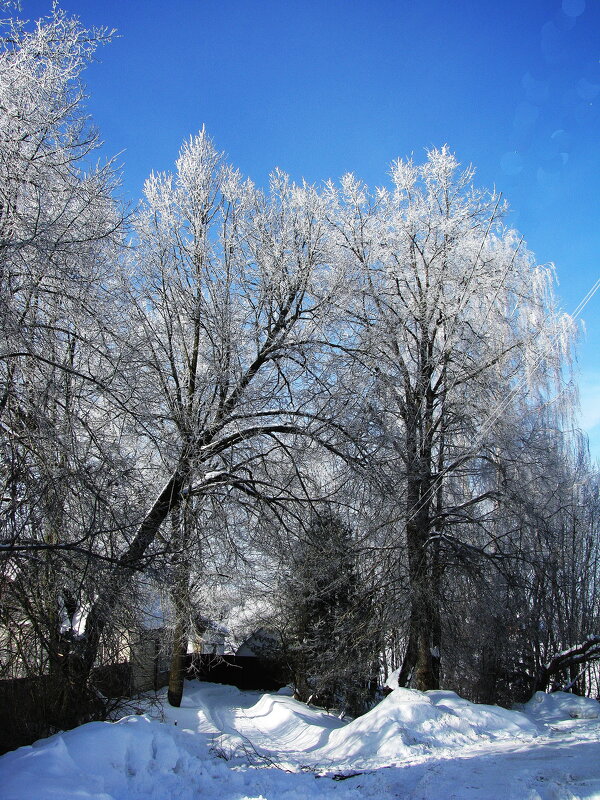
{"points": [[422, 656], [423, 651], [78, 702]]}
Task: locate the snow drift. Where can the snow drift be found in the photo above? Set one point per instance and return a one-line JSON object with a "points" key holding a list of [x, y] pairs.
{"points": [[408, 722], [225, 744], [560, 706]]}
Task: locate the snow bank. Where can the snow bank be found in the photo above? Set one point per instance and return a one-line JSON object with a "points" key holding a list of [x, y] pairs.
{"points": [[136, 758], [273, 748], [142, 759], [408, 722], [560, 706]]}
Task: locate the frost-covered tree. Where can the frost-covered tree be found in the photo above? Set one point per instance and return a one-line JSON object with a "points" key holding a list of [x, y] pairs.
{"points": [[460, 329], [60, 423], [555, 582], [230, 295]]}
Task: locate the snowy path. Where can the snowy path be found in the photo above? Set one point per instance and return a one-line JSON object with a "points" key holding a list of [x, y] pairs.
{"points": [[272, 725], [223, 744]]}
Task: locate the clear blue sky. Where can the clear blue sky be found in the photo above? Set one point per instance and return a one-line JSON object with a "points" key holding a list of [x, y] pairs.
{"points": [[321, 87]]}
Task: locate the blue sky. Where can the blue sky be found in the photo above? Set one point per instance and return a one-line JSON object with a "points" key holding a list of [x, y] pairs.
{"points": [[321, 87]]}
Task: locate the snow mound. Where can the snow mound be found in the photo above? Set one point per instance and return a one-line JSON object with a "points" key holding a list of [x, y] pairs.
{"points": [[560, 706], [408, 722], [134, 758]]}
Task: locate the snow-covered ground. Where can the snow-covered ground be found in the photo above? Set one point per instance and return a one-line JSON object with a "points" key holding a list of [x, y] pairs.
{"points": [[223, 744]]}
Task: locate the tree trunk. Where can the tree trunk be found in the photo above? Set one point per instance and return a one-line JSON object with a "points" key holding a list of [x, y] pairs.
{"points": [[78, 701], [177, 669], [180, 595], [424, 619], [425, 677], [410, 656]]}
